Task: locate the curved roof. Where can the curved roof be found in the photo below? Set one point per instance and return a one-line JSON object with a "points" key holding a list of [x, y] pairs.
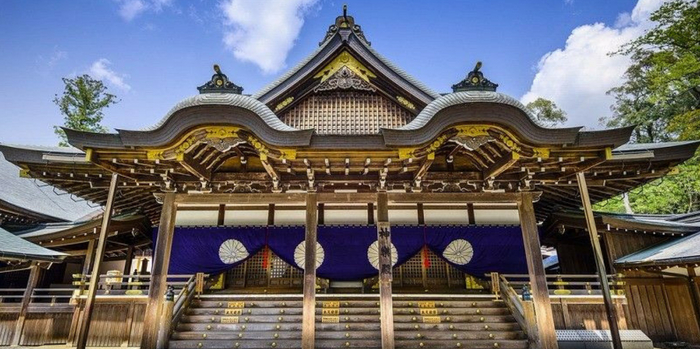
{"points": [[14, 247]]}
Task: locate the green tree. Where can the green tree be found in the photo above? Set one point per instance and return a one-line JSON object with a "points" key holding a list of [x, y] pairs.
{"points": [[661, 95], [82, 103], [546, 112]]}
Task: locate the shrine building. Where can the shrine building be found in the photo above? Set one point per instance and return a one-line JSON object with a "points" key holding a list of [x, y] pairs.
{"points": [[347, 204]]}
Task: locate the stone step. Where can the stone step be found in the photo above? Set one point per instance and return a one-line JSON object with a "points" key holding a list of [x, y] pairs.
{"points": [[454, 311], [200, 327], [247, 335]]}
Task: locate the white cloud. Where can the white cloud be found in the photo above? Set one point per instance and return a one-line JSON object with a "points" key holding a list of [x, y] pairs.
{"points": [[100, 70], [578, 76], [130, 9], [263, 31]]}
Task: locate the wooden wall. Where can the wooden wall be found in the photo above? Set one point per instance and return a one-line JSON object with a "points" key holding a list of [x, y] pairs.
{"points": [[580, 313], [114, 324]]}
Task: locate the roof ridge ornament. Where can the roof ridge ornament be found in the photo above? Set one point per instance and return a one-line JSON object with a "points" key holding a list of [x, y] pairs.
{"points": [[219, 83], [475, 81], [342, 24]]}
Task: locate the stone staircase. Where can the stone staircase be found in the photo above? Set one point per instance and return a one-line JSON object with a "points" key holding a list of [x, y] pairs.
{"points": [[347, 321]]}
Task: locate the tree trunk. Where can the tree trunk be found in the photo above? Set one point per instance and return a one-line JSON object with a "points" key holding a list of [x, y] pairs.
{"points": [[626, 202]]}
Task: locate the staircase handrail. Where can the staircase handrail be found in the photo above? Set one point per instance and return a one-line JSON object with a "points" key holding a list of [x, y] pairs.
{"points": [[185, 297]]}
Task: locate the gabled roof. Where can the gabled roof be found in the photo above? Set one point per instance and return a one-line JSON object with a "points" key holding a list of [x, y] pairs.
{"points": [[15, 248], [681, 251], [345, 39]]}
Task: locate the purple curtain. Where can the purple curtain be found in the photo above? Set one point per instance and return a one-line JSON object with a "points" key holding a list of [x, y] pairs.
{"points": [[347, 252]]}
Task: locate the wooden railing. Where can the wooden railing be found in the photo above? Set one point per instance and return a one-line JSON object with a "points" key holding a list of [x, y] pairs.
{"points": [[568, 284], [39, 295]]}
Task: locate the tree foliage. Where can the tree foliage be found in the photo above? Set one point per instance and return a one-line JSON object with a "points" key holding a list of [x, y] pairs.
{"points": [[82, 104], [546, 112], [661, 95]]}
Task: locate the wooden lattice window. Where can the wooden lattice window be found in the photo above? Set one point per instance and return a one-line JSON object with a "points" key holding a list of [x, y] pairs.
{"points": [[346, 113]]}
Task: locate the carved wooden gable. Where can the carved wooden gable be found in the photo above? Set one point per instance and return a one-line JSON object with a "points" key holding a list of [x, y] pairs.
{"points": [[345, 97]]}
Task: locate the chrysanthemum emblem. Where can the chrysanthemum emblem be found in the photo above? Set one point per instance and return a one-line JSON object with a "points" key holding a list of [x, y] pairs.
{"points": [[373, 255], [300, 255], [459, 252], [232, 251]]}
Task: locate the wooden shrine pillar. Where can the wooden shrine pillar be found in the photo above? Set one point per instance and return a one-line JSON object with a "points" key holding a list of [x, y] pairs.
{"points": [[600, 264], [87, 263], [159, 272], [546, 334], [308, 329], [386, 306], [99, 255], [34, 273], [128, 259]]}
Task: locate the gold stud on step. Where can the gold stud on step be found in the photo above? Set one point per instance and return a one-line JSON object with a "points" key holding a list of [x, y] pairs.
{"points": [[416, 327], [213, 319], [281, 311], [221, 304], [491, 335], [240, 335], [243, 327], [413, 311], [347, 318], [204, 335], [482, 319], [279, 318], [496, 345], [347, 335], [442, 304], [478, 311], [448, 319], [419, 335], [273, 344], [473, 304], [346, 311], [237, 345], [277, 327], [347, 327], [250, 311], [208, 327], [454, 335], [284, 304], [246, 319], [216, 311], [410, 304], [421, 344], [459, 345], [486, 327], [414, 319], [275, 335], [346, 304], [199, 345], [347, 344], [452, 327], [444, 311]]}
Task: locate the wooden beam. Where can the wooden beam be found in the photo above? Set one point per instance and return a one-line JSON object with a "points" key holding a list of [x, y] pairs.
{"points": [[424, 167], [546, 334], [99, 253], [128, 259], [308, 329], [159, 271], [221, 217], [342, 198], [194, 167], [600, 264], [87, 263], [34, 273], [501, 165], [386, 312]]}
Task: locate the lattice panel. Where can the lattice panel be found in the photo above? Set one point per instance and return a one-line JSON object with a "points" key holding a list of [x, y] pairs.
{"points": [[437, 271], [346, 113], [278, 273], [410, 273]]}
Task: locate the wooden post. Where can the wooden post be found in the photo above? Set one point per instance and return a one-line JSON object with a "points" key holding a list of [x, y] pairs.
{"points": [[159, 272], [546, 334], [79, 306], [694, 292], [128, 259], [99, 254], [600, 264], [34, 273], [308, 329], [386, 306]]}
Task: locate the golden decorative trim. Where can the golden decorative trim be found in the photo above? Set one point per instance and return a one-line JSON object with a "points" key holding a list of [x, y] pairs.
{"points": [[510, 143], [192, 138], [405, 102], [541, 152], [345, 59], [608, 153], [473, 130], [24, 173], [284, 103]]}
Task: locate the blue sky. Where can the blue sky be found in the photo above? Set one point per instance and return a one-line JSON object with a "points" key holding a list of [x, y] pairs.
{"points": [[153, 53]]}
